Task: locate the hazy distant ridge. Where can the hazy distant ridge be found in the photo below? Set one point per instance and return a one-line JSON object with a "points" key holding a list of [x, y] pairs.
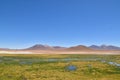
{"points": [[104, 47], [72, 48]]}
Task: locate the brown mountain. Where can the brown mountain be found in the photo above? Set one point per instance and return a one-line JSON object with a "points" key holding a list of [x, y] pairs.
{"points": [[44, 47], [79, 48], [40, 47]]}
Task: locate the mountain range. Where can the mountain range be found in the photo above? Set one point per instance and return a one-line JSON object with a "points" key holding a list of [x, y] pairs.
{"points": [[73, 48]]}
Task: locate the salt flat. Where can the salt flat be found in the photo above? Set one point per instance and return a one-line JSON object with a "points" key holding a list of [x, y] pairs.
{"points": [[59, 52]]}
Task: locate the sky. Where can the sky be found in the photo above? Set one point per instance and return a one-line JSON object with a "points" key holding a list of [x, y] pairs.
{"points": [[24, 23]]}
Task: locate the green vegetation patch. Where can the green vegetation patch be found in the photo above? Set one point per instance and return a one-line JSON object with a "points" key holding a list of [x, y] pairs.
{"points": [[53, 67]]}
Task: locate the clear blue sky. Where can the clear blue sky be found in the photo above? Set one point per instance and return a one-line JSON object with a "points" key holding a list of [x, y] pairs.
{"points": [[59, 22]]}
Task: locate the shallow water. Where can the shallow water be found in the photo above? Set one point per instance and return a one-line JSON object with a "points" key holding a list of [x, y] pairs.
{"points": [[71, 68], [114, 63], [30, 61]]}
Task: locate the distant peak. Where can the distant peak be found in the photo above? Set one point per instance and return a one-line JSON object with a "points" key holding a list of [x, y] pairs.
{"points": [[44, 47], [105, 47]]}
